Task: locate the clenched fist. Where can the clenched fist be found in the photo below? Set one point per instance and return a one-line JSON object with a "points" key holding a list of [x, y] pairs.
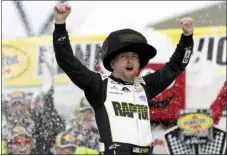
{"points": [[61, 12], [187, 26]]}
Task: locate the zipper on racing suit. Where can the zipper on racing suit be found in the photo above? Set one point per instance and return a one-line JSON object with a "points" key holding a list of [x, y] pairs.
{"points": [[133, 90]]}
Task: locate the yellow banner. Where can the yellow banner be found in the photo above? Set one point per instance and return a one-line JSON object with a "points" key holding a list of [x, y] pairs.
{"points": [[21, 58], [209, 45], [174, 34]]}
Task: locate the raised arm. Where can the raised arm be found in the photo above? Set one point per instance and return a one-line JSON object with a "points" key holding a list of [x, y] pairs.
{"points": [[164, 76], [76, 71]]}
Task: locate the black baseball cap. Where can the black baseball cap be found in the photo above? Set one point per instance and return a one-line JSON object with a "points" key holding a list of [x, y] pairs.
{"points": [[126, 40]]}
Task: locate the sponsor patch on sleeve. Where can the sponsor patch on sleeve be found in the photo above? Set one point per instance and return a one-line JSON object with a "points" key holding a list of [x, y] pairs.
{"points": [[139, 80], [187, 55]]}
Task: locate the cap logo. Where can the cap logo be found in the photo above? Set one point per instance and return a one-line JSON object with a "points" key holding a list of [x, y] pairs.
{"points": [[69, 138], [17, 94], [130, 37], [19, 129]]}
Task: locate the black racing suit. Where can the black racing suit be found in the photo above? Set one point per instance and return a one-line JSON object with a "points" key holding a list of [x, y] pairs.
{"points": [[121, 108]]}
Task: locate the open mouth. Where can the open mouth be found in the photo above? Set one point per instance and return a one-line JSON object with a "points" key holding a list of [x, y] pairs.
{"points": [[129, 68]]}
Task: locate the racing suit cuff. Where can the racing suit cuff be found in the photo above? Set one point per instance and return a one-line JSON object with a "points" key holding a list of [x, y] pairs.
{"points": [[60, 28], [186, 39]]}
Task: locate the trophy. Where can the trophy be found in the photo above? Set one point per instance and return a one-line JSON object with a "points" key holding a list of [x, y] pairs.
{"points": [[195, 133]]}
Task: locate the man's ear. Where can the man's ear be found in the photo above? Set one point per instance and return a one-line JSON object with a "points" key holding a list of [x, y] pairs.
{"points": [[112, 64]]}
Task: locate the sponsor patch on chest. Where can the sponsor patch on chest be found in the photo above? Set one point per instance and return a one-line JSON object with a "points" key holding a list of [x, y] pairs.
{"points": [[143, 98], [124, 109], [138, 88]]}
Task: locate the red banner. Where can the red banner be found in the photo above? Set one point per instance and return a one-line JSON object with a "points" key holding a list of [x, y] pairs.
{"points": [[165, 106]]}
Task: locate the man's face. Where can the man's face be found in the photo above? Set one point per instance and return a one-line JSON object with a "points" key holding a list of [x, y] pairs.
{"points": [[18, 109], [21, 148], [86, 117], [126, 65], [66, 150]]}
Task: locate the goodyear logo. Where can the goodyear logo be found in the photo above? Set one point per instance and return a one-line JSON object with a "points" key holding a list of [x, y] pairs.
{"points": [[19, 129], [15, 62], [194, 121]]}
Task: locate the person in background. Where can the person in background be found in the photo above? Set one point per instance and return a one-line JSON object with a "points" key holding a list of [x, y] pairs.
{"points": [[68, 143], [38, 113], [84, 128], [19, 141], [17, 108], [16, 112], [83, 115], [65, 143]]}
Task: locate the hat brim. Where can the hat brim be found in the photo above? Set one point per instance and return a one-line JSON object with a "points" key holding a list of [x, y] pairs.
{"points": [[144, 51]]}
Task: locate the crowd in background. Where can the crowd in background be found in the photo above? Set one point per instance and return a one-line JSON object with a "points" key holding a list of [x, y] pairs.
{"points": [[32, 125]]}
